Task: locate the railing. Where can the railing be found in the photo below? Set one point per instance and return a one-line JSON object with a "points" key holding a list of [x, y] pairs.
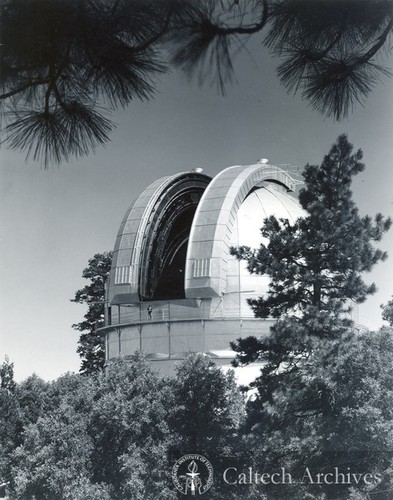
{"points": [[294, 171], [168, 311]]}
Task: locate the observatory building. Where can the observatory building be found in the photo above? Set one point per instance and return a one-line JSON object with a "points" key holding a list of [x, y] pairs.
{"points": [[174, 287]]}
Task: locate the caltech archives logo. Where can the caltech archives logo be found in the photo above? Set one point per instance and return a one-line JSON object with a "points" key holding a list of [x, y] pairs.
{"points": [[192, 475]]}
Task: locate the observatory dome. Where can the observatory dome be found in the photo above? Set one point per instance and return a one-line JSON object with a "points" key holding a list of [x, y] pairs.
{"points": [[174, 287], [260, 204]]}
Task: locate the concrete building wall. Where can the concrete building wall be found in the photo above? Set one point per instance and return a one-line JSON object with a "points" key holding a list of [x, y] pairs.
{"points": [[174, 339]]}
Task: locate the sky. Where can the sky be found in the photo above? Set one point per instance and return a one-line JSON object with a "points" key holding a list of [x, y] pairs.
{"points": [[52, 221]]}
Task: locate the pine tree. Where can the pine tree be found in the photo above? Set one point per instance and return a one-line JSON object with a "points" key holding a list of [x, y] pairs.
{"points": [[208, 405], [10, 414], [7, 375], [315, 264], [207, 409], [387, 312], [308, 397], [91, 345]]}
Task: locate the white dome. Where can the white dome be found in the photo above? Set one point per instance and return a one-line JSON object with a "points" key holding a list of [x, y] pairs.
{"points": [[259, 204]]}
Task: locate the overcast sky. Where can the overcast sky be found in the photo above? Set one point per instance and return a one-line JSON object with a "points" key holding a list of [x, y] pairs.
{"points": [[53, 221]]}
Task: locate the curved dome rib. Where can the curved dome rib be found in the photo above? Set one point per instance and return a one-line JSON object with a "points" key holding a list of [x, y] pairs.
{"points": [[136, 259], [214, 221]]}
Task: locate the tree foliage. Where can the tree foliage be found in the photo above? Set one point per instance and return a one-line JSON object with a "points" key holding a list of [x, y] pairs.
{"points": [[315, 264], [208, 406], [91, 345], [116, 434], [316, 404], [387, 312], [112, 434], [100, 436], [333, 411], [9, 418], [129, 422], [19, 407], [7, 375], [55, 454], [66, 65], [329, 49]]}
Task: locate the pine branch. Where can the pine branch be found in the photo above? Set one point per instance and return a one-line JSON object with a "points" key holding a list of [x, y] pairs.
{"points": [[248, 30], [24, 87]]}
